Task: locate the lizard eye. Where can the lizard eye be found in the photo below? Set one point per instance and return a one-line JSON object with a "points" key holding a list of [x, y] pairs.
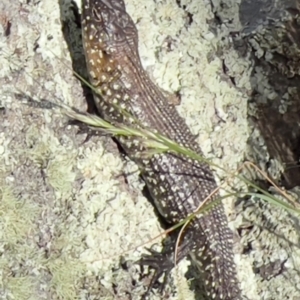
{"points": [[96, 15]]}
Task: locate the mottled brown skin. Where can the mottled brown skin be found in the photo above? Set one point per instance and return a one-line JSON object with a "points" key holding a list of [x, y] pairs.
{"points": [[177, 184]]}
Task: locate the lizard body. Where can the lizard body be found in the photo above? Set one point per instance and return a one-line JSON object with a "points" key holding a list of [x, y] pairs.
{"points": [[177, 184]]}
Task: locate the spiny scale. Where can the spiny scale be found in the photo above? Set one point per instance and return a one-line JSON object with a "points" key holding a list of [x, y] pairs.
{"points": [[178, 184]]}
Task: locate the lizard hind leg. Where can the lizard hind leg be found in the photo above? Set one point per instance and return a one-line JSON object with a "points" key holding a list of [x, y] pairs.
{"points": [[162, 262]]}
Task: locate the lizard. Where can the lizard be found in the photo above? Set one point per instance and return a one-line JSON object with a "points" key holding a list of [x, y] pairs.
{"points": [[177, 184]]}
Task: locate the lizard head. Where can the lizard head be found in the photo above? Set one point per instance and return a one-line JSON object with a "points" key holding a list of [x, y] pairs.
{"points": [[107, 26], [108, 34]]}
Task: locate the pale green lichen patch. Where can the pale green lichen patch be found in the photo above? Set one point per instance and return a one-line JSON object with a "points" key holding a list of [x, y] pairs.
{"points": [[18, 288], [55, 159], [29, 230], [60, 174], [66, 273], [17, 217]]}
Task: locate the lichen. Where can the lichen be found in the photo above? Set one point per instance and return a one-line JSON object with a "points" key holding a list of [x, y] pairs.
{"points": [[16, 224], [65, 273]]}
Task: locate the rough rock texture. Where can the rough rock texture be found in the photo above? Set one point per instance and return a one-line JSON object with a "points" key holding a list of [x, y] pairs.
{"points": [[69, 209]]}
